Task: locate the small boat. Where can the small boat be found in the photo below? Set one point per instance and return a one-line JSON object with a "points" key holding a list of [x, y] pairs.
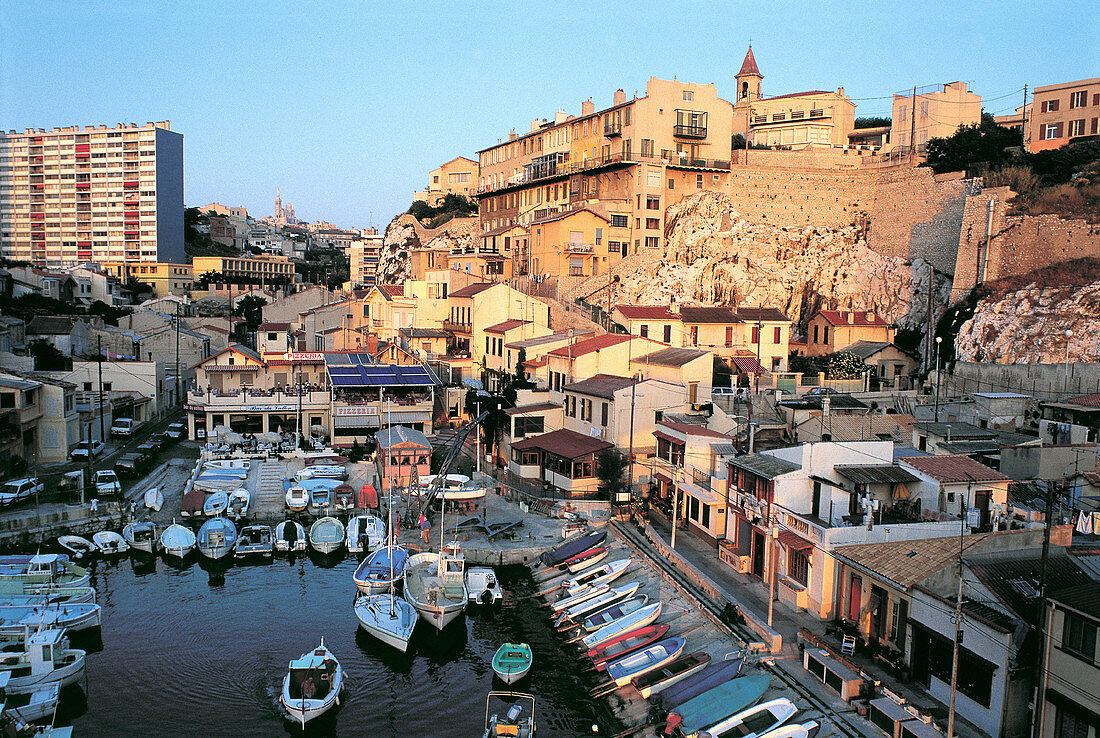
{"points": [[644, 660], [435, 584], [108, 542], [607, 572], [374, 574], [297, 499], [512, 662], [50, 597], [154, 499], [482, 586], [755, 721], [322, 471], [572, 547], [325, 458], [215, 504], [227, 464], [217, 482], [45, 659], [718, 703], [570, 616], [452, 482], [578, 596], [674, 671], [598, 619], [326, 535], [626, 643], [177, 541], [255, 540], [216, 538], [709, 678], [239, 500], [588, 559], [513, 723], [636, 619], [319, 498], [388, 618], [41, 571], [344, 498], [794, 730], [141, 535], [79, 547], [365, 533], [312, 685], [15, 620], [30, 707], [192, 503], [290, 536]]}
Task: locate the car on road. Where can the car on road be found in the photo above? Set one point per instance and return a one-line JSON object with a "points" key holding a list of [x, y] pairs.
{"points": [[823, 391], [81, 450], [131, 464], [17, 490], [106, 483], [161, 439], [176, 431], [123, 427], [148, 449]]}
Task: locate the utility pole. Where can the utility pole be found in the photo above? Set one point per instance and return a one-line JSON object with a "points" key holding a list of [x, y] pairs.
{"points": [[91, 469], [958, 626], [913, 126], [1041, 605], [675, 498], [179, 380], [771, 566], [99, 364], [1023, 120], [931, 321], [630, 452]]}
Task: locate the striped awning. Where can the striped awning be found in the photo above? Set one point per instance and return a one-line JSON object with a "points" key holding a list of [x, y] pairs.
{"points": [[748, 365], [793, 541]]}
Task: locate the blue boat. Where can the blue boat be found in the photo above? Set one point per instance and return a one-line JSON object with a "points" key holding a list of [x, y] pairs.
{"points": [[719, 703], [216, 538], [572, 547], [375, 574], [716, 673]]}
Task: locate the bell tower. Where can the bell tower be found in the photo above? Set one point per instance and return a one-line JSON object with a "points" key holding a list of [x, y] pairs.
{"points": [[748, 80]]}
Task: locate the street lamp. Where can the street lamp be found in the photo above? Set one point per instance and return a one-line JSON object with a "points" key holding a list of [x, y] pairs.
{"points": [[1069, 335], [939, 340]]}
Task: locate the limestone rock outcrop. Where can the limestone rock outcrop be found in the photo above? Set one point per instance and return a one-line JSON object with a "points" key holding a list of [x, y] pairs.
{"points": [[405, 233]]}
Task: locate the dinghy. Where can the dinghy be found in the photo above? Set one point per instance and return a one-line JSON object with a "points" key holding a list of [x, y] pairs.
{"points": [[674, 671], [326, 535], [388, 618], [579, 595], [216, 538], [177, 541], [30, 707], [715, 674], [435, 584], [755, 721], [154, 499], [215, 504], [322, 471], [794, 730], [39, 571], [572, 547], [719, 703], [108, 542], [626, 643], [571, 615], [636, 619], [374, 575], [644, 660], [227, 464], [239, 500], [598, 619], [290, 536], [255, 540], [77, 546], [16, 620], [191, 505], [141, 535], [512, 662], [217, 482], [297, 499], [319, 498], [325, 458], [312, 685], [343, 498], [587, 560], [514, 723], [365, 533], [45, 658], [605, 573]]}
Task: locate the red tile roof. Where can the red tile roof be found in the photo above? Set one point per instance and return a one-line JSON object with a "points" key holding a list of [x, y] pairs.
{"points": [[645, 312], [471, 290], [580, 348], [858, 317], [798, 94], [953, 468], [565, 443], [749, 65], [1084, 400], [273, 327], [689, 429], [393, 290], [761, 312], [506, 326]]}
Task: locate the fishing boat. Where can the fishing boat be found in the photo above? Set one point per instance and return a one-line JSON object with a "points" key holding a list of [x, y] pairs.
{"points": [[435, 584], [605, 573], [644, 660], [15, 620], [388, 618], [239, 500], [209, 482], [636, 619], [718, 703], [325, 458], [755, 721], [48, 598], [154, 499], [598, 619], [579, 595], [192, 503], [572, 547], [216, 538], [177, 541], [626, 643], [588, 559], [229, 464], [514, 723], [674, 671], [709, 678], [108, 542], [297, 499], [570, 616], [42, 569], [319, 498], [794, 730], [290, 536], [141, 535], [326, 535], [365, 533], [453, 488], [255, 540], [312, 685], [583, 556], [29, 707], [482, 586], [322, 471], [78, 546], [343, 498], [512, 662], [373, 576], [45, 659], [215, 504]]}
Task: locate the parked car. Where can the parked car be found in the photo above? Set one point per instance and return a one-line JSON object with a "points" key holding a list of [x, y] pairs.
{"points": [[148, 449], [823, 391], [18, 490], [161, 439], [124, 427], [131, 464], [176, 431], [724, 391], [106, 483], [81, 450]]}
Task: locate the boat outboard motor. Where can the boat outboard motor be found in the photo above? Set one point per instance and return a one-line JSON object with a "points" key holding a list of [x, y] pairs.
{"points": [[514, 712], [291, 534]]}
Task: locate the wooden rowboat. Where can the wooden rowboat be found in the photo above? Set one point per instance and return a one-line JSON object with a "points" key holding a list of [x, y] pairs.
{"points": [[672, 672], [625, 643]]}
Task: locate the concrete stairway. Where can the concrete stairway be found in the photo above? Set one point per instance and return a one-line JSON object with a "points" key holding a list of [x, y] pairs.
{"points": [[268, 485]]}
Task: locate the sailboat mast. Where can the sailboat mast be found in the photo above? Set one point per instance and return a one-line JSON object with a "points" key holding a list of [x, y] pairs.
{"points": [[389, 511]]}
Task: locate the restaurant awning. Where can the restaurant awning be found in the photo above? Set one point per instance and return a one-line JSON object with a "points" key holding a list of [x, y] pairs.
{"points": [[793, 541], [748, 365]]}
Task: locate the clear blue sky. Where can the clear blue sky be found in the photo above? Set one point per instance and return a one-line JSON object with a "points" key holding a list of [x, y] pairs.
{"points": [[347, 105]]}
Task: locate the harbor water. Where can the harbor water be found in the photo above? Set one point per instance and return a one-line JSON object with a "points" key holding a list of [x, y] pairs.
{"points": [[202, 650]]}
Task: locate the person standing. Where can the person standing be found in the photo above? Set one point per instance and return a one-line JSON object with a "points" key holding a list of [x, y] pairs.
{"points": [[425, 527]]}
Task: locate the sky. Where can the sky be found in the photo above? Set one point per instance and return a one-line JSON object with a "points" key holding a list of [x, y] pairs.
{"points": [[346, 106]]}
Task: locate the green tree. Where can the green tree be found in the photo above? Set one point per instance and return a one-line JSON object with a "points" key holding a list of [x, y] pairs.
{"points": [[47, 357], [844, 365], [983, 143], [872, 122], [611, 472], [250, 308]]}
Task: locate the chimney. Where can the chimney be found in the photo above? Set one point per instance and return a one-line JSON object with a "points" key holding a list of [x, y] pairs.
{"points": [[559, 117], [372, 343], [826, 403], [619, 97], [512, 135], [534, 125], [588, 107], [851, 316]]}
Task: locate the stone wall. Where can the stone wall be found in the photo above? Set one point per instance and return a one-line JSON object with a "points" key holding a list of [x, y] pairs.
{"points": [[1030, 242], [1041, 381]]}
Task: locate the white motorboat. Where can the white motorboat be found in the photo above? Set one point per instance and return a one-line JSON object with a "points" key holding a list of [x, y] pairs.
{"points": [[312, 685], [297, 499], [435, 584], [30, 707], [365, 533], [216, 538], [154, 499], [108, 542], [177, 541], [239, 500], [325, 458], [321, 471], [15, 620], [482, 586], [807, 729], [579, 595], [592, 558], [78, 546], [290, 536], [255, 540], [33, 572], [607, 598], [388, 618], [141, 535], [229, 464], [326, 535], [631, 621], [607, 572], [756, 721], [215, 504], [46, 659], [378, 572]]}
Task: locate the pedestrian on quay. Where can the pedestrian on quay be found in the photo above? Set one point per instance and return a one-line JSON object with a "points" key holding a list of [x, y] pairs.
{"points": [[425, 527]]}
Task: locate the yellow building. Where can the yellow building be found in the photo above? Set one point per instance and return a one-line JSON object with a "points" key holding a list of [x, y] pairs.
{"points": [[939, 111], [458, 176], [577, 243], [166, 278], [253, 270], [829, 331]]}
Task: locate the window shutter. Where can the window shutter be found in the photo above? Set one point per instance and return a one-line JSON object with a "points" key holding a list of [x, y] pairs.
{"points": [[1058, 131]]}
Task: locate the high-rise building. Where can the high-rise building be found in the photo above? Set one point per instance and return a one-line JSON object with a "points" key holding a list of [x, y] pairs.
{"points": [[72, 195]]}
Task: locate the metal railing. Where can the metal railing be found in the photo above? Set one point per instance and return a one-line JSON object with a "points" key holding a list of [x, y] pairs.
{"points": [[686, 131]]}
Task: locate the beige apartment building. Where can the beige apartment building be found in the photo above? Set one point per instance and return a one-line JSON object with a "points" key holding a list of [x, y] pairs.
{"points": [[935, 111], [1061, 112], [363, 258], [1071, 670], [457, 177], [72, 195], [252, 270], [166, 278]]}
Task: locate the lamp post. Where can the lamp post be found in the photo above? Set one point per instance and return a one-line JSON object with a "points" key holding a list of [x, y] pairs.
{"points": [[939, 340], [1069, 335]]}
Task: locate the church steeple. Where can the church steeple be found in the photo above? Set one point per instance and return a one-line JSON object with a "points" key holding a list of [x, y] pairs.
{"points": [[748, 79]]}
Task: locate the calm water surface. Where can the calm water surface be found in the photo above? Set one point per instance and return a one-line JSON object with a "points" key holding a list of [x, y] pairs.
{"points": [[202, 651]]}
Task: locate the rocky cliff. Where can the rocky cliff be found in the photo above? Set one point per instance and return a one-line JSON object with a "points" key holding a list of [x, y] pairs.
{"points": [[405, 233]]}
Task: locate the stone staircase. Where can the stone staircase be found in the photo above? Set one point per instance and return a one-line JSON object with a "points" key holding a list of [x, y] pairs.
{"points": [[268, 484]]}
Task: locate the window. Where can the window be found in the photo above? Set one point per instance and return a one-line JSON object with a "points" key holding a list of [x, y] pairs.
{"points": [[777, 336], [531, 426], [902, 112], [1077, 127], [87, 386], [729, 336], [620, 221], [932, 655], [653, 223], [653, 178], [698, 181], [825, 334], [798, 566], [1078, 99], [106, 386], [667, 337], [755, 334], [1079, 636], [1048, 106], [651, 242], [604, 409], [652, 202], [815, 334], [7, 399], [1070, 723], [689, 95], [644, 331]]}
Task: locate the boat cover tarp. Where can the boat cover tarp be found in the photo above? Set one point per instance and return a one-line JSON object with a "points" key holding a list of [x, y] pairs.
{"points": [[572, 548]]}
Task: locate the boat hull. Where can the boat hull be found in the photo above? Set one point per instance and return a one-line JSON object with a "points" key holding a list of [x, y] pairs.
{"points": [[393, 626], [69, 673], [589, 561], [42, 705], [425, 594], [634, 620], [146, 543]]}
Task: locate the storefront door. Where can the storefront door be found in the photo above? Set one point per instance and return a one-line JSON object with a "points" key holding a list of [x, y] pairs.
{"points": [[758, 551]]}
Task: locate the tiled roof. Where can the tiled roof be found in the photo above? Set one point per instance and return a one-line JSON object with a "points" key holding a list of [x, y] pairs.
{"points": [[1014, 577], [532, 408], [957, 431], [392, 290], [1085, 599], [601, 385], [765, 465], [867, 349], [580, 348], [749, 65], [690, 429], [423, 332], [850, 317], [718, 314], [837, 401], [565, 443], [50, 325], [874, 473], [799, 94], [506, 326], [871, 427], [906, 563], [671, 357], [471, 290], [953, 468], [1086, 400], [645, 312], [273, 327], [559, 336], [396, 434], [748, 314]]}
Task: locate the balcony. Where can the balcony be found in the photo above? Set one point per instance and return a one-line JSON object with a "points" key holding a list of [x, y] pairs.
{"points": [[611, 130], [578, 248], [450, 325], [258, 400], [686, 131]]}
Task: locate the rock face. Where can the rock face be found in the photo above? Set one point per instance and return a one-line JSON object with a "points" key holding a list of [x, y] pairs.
{"points": [[1029, 326], [714, 256], [393, 258]]}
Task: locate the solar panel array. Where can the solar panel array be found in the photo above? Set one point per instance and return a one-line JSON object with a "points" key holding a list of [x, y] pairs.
{"points": [[357, 370]]}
